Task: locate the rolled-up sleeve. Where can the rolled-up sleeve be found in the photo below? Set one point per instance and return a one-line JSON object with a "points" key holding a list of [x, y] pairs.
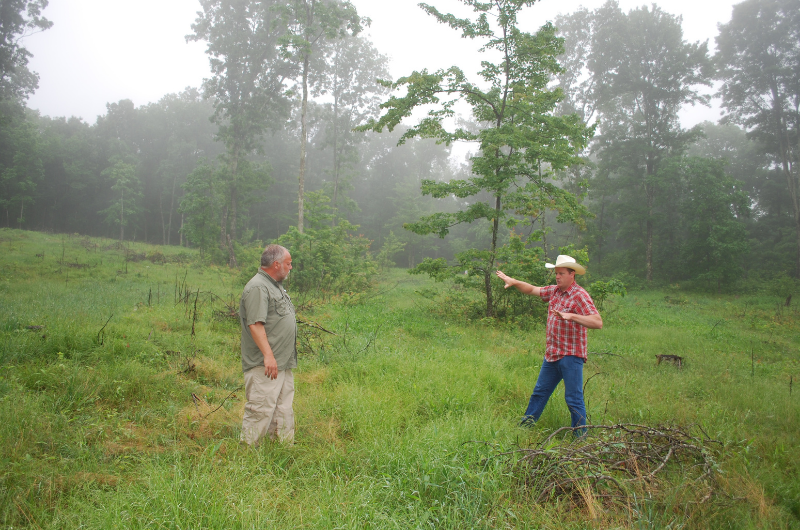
{"points": [[255, 302]]}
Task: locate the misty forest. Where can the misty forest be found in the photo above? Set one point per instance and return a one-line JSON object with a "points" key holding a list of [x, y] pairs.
{"points": [[399, 199]]}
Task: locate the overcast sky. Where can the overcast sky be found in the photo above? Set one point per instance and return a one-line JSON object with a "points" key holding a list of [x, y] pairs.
{"points": [[101, 51]]}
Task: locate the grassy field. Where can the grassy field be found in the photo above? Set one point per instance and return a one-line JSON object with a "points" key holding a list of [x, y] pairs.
{"points": [[121, 401]]}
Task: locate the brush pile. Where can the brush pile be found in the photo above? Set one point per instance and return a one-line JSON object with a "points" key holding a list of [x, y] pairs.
{"points": [[618, 462]]}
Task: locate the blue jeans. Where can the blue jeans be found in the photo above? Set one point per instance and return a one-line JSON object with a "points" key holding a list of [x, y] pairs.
{"points": [[570, 369]]}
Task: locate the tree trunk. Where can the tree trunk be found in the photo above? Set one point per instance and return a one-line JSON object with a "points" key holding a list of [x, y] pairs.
{"points": [[303, 141], [122, 217], [227, 236], [232, 232], [335, 158], [650, 192], [487, 274], [163, 224], [544, 217], [786, 163], [171, 209], [600, 240], [223, 236]]}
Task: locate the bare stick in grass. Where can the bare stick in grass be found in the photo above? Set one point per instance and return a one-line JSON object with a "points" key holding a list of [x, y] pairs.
{"points": [[223, 402], [99, 333]]}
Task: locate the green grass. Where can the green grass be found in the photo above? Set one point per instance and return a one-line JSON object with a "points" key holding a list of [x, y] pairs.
{"points": [[400, 417]]}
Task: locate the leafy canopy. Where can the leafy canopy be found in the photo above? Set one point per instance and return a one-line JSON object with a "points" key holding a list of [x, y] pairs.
{"points": [[520, 140]]}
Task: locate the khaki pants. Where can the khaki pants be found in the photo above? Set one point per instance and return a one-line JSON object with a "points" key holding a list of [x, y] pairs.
{"points": [[269, 406]]}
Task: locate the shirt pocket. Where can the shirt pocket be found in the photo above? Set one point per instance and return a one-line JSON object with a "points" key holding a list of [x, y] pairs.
{"points": [[283, 308]]}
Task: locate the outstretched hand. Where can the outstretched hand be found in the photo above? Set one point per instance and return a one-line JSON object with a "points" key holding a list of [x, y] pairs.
{"points": [[509, 281]]}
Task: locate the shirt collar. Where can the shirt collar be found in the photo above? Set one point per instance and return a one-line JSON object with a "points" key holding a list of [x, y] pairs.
{"points": [[568, 291], [271, 279]]}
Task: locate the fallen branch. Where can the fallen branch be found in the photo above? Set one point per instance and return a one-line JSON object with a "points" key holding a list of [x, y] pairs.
{"points": [[373, 295], [223, 402], [590, 378], [313, 324]]}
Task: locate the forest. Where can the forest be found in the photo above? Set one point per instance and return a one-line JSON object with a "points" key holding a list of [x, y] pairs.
{"points": [[300, 126]]}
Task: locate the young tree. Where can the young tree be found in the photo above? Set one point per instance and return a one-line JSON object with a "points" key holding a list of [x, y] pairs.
{"points": [[759, 64], [518, 132], [127, 193], [247, 87], [201, 204], [310, 23]]}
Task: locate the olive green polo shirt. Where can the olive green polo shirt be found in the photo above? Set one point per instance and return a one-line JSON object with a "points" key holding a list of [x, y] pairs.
{"points": [[265, 300]]}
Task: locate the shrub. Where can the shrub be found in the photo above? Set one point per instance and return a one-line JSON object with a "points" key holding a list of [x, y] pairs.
{"points": [[329, 260], [600, 291]]}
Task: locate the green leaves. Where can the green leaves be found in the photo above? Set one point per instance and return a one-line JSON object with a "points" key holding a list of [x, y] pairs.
{"points": [[127, 193], [636, 71], [20, 18], [518, 131], [329, 260], [759, 65]]}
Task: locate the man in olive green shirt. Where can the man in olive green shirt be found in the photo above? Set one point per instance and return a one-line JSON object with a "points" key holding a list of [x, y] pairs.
{"points": [[269, 351]]}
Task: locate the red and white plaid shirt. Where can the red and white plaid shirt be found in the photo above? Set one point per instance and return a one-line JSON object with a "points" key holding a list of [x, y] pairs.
{"points": [[566, 338]]}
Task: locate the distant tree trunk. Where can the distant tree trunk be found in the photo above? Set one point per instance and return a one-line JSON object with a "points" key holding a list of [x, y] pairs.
{"points": [[544, 218], [303, 141], [171, 209], [163, 225], [650, 192], [228, 232], [122, 218], [232, 233], [782, 130], [649, 250], [181, 232], [600, 230], [223, 235], [335, 157]]}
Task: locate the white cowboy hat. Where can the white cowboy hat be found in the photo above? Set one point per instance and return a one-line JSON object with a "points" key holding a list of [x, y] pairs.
{"points": [[565, 261]]}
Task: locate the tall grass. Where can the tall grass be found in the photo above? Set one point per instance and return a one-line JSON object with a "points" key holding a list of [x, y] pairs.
{"points": [[402, 415]]}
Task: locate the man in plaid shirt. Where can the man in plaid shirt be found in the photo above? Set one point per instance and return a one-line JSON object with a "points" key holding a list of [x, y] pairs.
{"points": [[571, 312]]}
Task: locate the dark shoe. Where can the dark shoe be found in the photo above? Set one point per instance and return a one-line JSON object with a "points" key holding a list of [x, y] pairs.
{"points": [[527, 421]]}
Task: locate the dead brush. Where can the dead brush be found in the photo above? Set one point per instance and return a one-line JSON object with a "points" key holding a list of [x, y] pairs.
{"points": [[614, 464]]}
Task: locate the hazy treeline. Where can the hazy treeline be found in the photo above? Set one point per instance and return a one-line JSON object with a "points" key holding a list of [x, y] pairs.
{"points": [[672, 203], [268, 142]]}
